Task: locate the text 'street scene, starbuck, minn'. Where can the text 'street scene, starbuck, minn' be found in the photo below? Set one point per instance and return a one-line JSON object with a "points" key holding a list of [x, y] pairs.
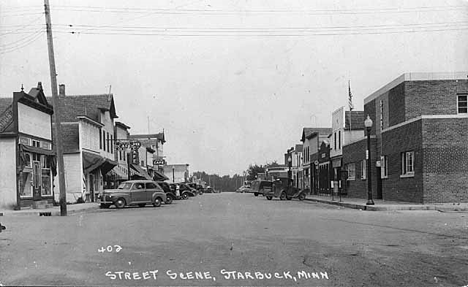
{"points": [[234, 143]]}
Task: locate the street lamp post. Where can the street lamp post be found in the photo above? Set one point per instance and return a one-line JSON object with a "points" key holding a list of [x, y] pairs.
{"points": [[289, 170], [368, 125], [173, 174]]}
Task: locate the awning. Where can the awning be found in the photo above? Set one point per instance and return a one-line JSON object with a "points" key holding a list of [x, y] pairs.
{"points": [[159, 176], [92, 161], [117, 173], [140, 172], [51, 158], [36, 150]]}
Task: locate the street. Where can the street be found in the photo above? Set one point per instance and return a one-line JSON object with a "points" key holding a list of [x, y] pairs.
{"points": [[236, 239]]}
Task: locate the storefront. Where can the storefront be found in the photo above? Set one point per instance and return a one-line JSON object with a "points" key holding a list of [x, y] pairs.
{"points": [[35, 173]]}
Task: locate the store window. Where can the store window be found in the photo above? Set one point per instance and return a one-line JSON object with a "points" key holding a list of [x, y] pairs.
{"points": [[46, 184], [26, 187]]}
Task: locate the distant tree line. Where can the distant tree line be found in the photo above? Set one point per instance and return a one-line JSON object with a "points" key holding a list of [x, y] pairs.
{"points": [[221, 183], [228, 183]]}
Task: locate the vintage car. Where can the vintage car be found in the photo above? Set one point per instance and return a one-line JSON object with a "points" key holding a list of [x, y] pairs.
{"points": [[133, 192], [180, 191], [260, 187], [283, 188], [170, 194]]}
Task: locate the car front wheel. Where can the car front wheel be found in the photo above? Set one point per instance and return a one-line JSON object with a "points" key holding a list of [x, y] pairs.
{"points": [[256, 194], [302, 196], [168, 199], [120, 203], [157, 202], [269, 197], [283, 196]]}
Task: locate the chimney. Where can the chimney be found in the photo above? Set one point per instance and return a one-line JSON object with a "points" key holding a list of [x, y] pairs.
{"points": [[39, 86], [62, 90]]}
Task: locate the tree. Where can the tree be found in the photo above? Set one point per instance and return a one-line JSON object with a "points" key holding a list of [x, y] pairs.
{"points": [[254, 170]]}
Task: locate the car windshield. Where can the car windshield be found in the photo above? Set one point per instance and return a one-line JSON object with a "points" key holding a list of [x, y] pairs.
{"points": [[125, 185]]}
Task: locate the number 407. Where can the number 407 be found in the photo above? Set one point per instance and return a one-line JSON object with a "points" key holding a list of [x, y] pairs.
{"points": [[110, 248]]}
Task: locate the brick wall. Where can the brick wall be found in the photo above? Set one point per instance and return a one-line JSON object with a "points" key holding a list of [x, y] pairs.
{"points": [[433, 97], [394, 142], [355, 153], [445, 160], [396, 105]]}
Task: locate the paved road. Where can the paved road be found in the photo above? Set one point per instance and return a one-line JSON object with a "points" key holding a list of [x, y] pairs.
{"points": [[237, 239]]}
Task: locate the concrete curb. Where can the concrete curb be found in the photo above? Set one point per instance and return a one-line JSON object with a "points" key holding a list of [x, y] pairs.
{"points": [[46, 212], [392, 207]]}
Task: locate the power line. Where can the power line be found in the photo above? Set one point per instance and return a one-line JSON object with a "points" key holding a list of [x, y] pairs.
{"points": [[143, 28], [274, 31], [5, 46], [398, 10], [21, 27], [22, 45]]}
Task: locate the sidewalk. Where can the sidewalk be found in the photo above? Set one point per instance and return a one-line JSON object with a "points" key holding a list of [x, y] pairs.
{"points": [[383, 205], [52, 211]]}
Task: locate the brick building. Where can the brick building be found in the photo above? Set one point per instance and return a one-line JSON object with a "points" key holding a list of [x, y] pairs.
{"points": [[419, 149]]}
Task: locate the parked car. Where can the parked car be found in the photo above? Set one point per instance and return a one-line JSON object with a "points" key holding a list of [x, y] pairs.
{"points": [[283, 188], [133, 192], [260, 187], [197, 187], [180, 191], [184, 188], [209, 189], [170, 194]]}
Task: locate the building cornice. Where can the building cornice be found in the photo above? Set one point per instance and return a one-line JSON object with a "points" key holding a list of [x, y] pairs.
{"points": [[425, 117], [416, 77]]}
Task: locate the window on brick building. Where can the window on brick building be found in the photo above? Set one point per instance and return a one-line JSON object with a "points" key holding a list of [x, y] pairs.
{"points": [[351, 171], [462, 104], [363, 169], [407, 163], [384, 166]]}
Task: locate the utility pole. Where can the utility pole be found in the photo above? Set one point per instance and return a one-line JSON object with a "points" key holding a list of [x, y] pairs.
{"points": [[56, 115]]}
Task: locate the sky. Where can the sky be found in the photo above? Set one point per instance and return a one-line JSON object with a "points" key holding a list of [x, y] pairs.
{"points": [[231, 82]]}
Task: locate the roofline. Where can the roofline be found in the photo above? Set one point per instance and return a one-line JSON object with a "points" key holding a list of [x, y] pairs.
{"points": [[89, 120], [122, 125], [416, 77]]}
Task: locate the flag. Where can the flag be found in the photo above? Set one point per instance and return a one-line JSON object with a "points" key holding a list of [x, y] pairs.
{"points": [[350, 97]]}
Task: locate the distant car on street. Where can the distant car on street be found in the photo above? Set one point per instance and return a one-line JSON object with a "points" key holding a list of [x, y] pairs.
{"points": [[133, 192], [243, 189]]}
